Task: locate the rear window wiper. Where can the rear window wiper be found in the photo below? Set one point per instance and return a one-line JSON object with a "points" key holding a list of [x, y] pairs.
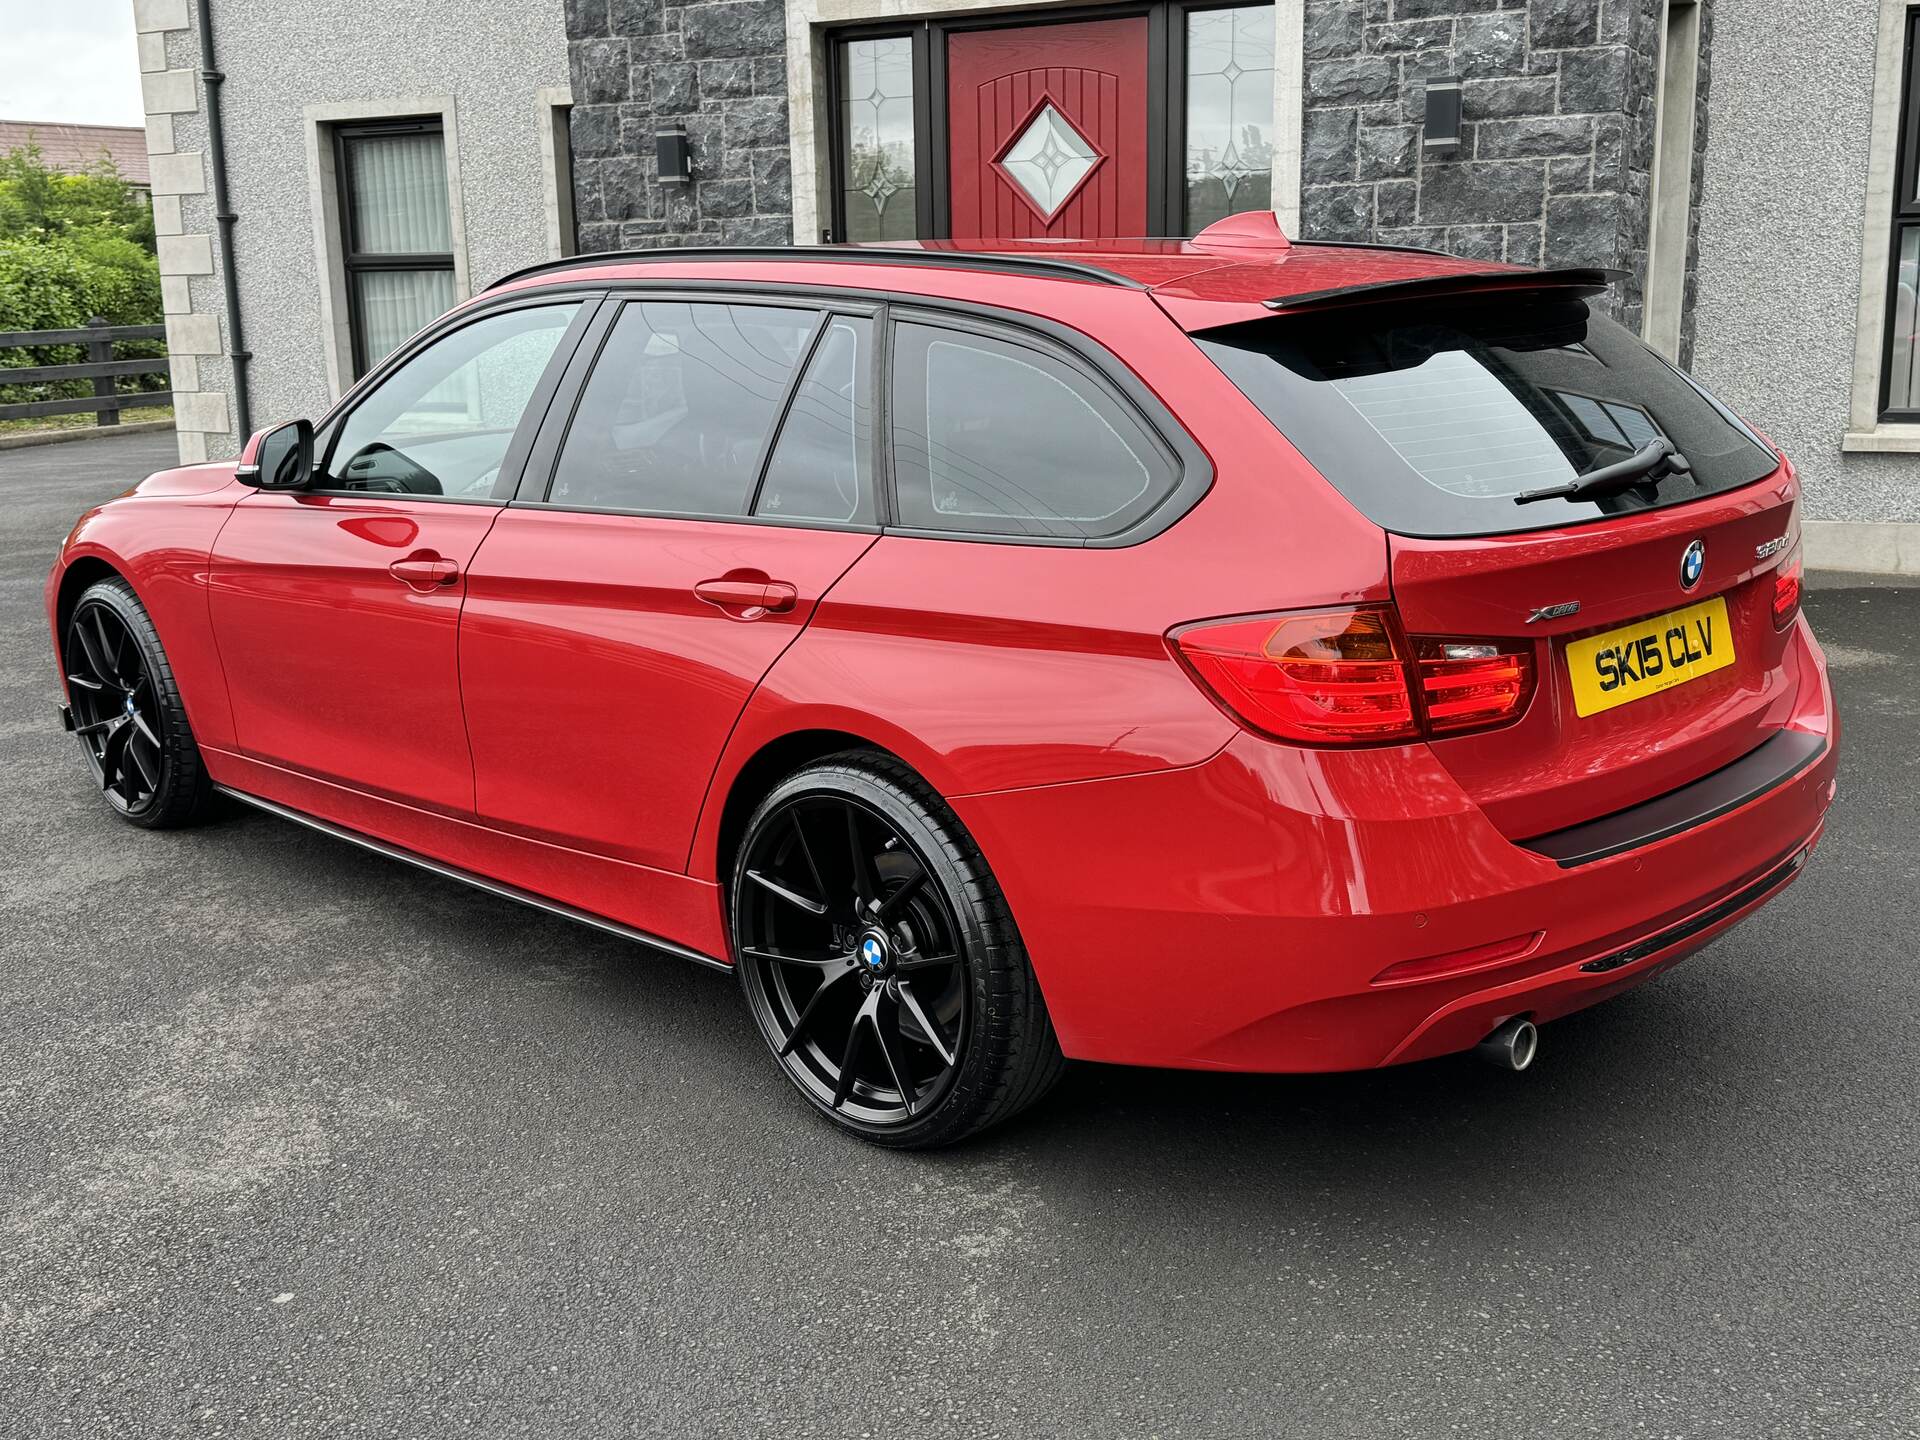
{"points": [[1649, 465]]}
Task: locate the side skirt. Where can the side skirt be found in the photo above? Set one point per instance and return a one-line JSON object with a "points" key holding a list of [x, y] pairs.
{"points": [[479, 882]]}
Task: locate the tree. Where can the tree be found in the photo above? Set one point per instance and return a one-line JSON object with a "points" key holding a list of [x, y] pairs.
{"points": [[72, 247], [37, 203]]}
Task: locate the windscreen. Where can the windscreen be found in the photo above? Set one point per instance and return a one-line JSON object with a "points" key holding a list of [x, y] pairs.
{"points": [[1431, 416]]}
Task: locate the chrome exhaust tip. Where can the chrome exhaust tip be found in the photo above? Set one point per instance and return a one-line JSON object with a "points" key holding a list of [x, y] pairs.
{"points": [[1512, 1046]]}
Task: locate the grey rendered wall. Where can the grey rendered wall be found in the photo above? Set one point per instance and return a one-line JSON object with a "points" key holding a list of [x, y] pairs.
{"points": [[1781, 211], [279, 57]]}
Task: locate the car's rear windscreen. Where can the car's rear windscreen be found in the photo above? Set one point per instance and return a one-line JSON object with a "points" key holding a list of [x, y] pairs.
{"points": [[1432, 415]]}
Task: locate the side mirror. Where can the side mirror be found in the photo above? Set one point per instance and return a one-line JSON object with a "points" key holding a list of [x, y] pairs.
{"points": [[278, 459]]}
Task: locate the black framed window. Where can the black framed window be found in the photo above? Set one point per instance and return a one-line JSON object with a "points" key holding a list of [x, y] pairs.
{"points": [[1900, 386], [396, 232], [1210, 114]]}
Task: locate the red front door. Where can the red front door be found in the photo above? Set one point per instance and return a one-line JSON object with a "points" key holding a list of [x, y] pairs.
{"points": [[1048, 128]]}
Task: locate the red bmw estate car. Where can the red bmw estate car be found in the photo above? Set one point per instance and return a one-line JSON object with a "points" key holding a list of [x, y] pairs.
{"points": [[1219, 654]]}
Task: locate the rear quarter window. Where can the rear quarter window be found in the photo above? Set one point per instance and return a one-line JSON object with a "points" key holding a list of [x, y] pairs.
{"points": [[1431, 416], [999, 437]]}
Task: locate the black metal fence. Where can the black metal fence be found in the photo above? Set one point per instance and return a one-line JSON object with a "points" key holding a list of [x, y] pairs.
{"points": [[107, 400]]}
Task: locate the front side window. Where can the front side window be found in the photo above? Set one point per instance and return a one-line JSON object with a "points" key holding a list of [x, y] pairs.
{"points": [[398, 252], [676, 416], [991, 436], [440, 424]]}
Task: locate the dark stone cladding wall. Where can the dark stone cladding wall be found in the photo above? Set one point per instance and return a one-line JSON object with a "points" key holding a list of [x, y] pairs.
{"points": [[719, 66], [1556, 138]]}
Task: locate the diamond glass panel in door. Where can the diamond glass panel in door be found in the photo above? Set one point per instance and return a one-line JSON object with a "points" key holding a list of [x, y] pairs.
{"points": [[1048, 160], [1229, 113], [876, 83]]}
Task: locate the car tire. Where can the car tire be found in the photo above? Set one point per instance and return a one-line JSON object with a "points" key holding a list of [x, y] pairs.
{"points": [[127, 711], [842, 962]]}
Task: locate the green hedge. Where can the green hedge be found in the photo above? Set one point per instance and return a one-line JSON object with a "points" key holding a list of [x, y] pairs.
{"points": [[73, 247], [62, 283]]}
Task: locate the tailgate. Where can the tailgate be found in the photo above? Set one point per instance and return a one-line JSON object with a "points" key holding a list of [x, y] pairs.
{"points": [[1556, 766]]}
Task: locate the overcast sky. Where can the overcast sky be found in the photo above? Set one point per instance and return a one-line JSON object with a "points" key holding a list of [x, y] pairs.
{"points": [[70, 60]]}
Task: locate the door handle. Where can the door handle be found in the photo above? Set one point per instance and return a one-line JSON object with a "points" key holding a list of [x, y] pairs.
{"points": [[424, 571], [748, 594]]}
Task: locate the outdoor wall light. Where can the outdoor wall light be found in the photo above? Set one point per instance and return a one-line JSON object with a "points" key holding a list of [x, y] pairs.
{"points": [[1443, 117], [672, 158]]}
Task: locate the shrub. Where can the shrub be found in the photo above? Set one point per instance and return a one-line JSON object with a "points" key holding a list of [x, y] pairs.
{"points": [[61, 284], [73, 247], [40, 204]]}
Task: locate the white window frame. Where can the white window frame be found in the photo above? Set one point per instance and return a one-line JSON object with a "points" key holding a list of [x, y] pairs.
{"points": [[1670, 201], [551, 104]]}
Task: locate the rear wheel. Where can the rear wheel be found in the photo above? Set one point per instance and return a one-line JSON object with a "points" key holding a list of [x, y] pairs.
{"points": [[879, 959], [127, 712]]}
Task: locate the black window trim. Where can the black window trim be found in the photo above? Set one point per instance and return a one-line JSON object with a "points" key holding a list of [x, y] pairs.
{"points": [[1905, 217], [519, 447], [1194, 469], [352, 261]]}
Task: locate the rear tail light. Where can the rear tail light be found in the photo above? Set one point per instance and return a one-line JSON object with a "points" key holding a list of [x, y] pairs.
{"points": [[1328, 677], [1473, 684], [1349, 677], [1786, 590]]}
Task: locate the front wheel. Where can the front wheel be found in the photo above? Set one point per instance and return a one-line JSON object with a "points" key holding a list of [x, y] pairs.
{"points": [[880, 961], [127, 711]]}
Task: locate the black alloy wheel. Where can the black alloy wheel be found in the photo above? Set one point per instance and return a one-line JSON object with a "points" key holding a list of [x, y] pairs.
{"points": [[127, 712], [879, 960]]}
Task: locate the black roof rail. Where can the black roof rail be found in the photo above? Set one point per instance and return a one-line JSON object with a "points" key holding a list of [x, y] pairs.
{"points": [[1047, 266]]}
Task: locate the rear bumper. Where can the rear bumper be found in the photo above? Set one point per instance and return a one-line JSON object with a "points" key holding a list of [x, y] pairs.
{"points": [[1239, 914]]}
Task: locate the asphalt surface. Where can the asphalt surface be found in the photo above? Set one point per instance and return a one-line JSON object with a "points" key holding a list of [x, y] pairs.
{"points": [[294, 1140]]}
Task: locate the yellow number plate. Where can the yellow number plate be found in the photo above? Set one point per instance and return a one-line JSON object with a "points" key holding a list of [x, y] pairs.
{"points": [[1649, 656]]}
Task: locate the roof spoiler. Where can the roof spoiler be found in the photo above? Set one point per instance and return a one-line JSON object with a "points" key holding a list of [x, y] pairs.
{"points": [[1579, 281]]}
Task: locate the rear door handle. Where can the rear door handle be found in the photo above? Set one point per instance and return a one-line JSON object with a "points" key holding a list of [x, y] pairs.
{"points": [[748, 594], [425, 571]]}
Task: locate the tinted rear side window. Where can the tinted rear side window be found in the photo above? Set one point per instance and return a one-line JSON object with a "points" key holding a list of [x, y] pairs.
{"points": [[995, 437], [676, 415], [819, 466], [1430, 417]]}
